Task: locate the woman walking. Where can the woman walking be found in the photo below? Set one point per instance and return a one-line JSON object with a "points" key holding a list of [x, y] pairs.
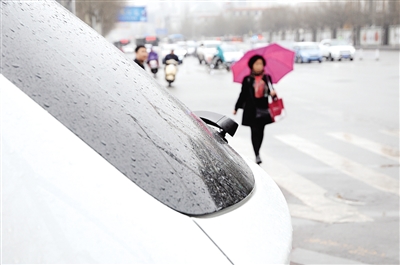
{"points": [[254, 100]]}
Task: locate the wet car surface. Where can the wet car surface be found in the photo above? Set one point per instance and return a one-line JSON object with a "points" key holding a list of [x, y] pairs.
{"points": [[121, 112], [102, 165]]}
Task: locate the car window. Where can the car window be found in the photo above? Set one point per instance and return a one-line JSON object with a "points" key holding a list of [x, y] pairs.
{"points": [[339, 42], [170, 47], [309, 47], [211, 45], [119, 110], [228, 48]]}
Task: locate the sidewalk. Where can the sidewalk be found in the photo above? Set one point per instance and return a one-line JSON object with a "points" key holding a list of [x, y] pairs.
{"points": [[380, 47]]}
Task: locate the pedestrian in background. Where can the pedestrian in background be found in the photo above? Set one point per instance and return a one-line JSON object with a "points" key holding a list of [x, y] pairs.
{"points": [[253, 99], [141, 55]]}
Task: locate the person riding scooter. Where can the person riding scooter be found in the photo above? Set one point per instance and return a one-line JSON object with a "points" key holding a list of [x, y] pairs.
{"points": [[171, 61], [218, 59], [152, 61], [172, 55]]}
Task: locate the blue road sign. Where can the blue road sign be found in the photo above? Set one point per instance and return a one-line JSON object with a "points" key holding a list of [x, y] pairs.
{"points": [[161, 31], [133, 14]]}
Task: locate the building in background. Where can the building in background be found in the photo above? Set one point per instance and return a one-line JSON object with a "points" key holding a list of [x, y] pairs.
{"points": [[363, 22]]}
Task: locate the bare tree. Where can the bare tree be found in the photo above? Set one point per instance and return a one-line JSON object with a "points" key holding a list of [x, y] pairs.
{"points": [[187, 24], [98, 12], [314, 16], [277, 18]]}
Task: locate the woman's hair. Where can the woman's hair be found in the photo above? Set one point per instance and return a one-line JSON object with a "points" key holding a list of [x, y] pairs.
{"points": [[254, 58]]}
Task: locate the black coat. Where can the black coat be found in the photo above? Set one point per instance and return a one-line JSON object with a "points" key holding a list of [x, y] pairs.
{"points": [[140, 64], [248, 102], [169, 57]]}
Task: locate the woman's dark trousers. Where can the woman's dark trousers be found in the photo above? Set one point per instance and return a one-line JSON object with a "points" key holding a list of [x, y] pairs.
{"points": [[257, 135]]}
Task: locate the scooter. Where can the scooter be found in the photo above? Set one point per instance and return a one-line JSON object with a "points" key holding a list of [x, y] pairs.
{"points": [[170, 69], [216, 64], [153, 67]]}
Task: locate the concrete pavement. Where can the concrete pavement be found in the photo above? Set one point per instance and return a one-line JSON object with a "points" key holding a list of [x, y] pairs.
{"points": [[335, 156]]}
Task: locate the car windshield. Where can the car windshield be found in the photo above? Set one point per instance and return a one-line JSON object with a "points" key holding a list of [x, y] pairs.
{"points": [[309, 47], [211, 45], [229, 48], [119, 110], [287, 44], [339, 42]]}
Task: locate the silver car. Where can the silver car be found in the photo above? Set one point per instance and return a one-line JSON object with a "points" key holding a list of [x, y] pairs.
{"points": [[337, 49]]}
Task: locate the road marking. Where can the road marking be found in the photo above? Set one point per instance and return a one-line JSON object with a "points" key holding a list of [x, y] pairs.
{"points": [[395, 133], [359, 172], [317, 206], [305, 257], [374, 147]]}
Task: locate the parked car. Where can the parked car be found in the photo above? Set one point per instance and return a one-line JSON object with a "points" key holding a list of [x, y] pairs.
{"points": [[125, 46], [306, 52], [231, 53], [191, 47], [287, 44], [206, 50], [335, 49], [181, 49], [100, 164], [257, 45]]}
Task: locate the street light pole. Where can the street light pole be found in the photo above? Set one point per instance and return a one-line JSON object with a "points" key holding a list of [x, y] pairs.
{"points": [[73, 7]]}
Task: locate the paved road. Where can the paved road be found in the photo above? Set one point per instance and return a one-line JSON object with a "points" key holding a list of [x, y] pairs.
{"points": [[335, 155]]}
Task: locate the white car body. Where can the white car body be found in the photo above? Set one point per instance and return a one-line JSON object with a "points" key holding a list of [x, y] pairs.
{"points": [[257, 45], [191, 47], [63, 202], [207, 50], [66, 194], [333, 49], [129, 48], [231, 53]]}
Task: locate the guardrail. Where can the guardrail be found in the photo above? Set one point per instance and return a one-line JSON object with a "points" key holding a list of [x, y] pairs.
{"points": [[368, 54]]}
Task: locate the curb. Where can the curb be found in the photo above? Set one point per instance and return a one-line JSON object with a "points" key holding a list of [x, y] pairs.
{"points": [[382, 48]]}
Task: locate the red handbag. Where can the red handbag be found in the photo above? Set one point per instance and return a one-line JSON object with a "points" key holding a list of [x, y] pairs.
{"points": [[277, 109]]}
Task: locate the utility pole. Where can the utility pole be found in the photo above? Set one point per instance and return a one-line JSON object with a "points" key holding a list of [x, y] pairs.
{"points": [[73, 7], [372, 11], [68, 4]]}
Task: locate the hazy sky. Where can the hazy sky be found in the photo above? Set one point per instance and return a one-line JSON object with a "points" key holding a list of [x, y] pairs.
{"points": [[254, 2]]}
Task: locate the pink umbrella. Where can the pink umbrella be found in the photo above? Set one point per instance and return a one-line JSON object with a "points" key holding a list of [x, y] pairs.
{"points": [[279, 62]]}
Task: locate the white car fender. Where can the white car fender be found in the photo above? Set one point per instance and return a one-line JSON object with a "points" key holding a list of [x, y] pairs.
{"points": [[261, 224], [64, 203]]}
